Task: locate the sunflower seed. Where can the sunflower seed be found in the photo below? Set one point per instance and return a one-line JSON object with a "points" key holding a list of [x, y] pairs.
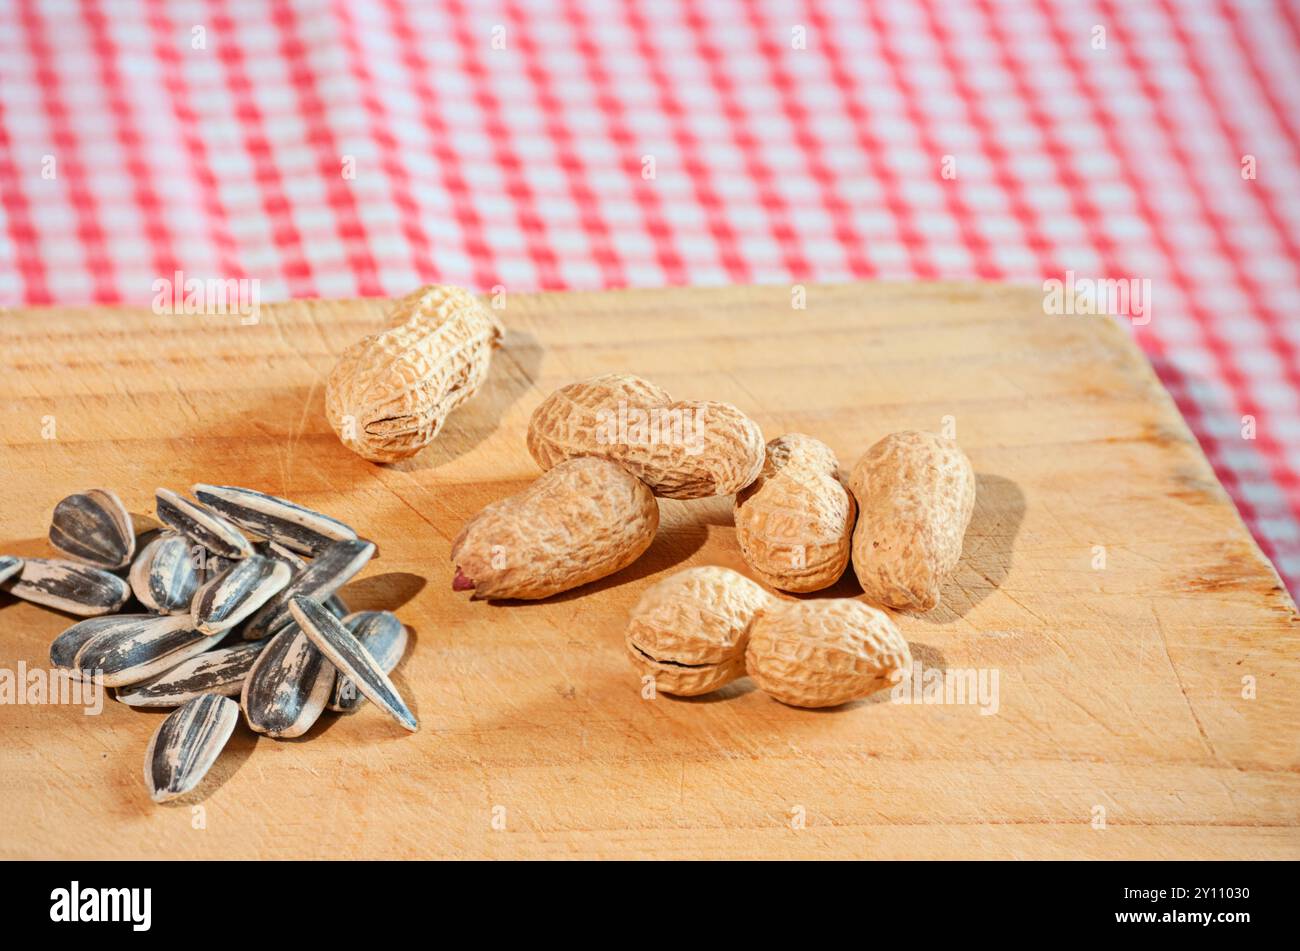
{"points": [[299, 563], [384, 636], [68, 586], [280, 553], [93, 527], [186, 744], [328, 571], [142, 541], [221, 671], [163, 575], [348, 655], [213, 565], [64, 648], [141, 646], [279, 520], [9, 566], [229, 598], [207, 528], [288, 686]]}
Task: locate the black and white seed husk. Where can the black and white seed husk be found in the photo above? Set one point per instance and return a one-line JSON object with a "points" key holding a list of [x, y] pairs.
{"points": [[141, 646], [231, 597], [215, 533], [94, 528], [351, 659], [298, 563], [288, 686], [219, 671], [64, 648], [287, 523], [10, 565], [68, 586], [277, 551], [163, 576], [384, 636], [334, 567], [186, 744]]}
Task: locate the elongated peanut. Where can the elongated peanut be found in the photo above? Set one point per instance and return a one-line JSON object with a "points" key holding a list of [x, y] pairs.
{"points": [[583, 520], [703, 627], [690, 630], [794, 523], [824, 653], [915, 494], [682, 450], [389, 394]]}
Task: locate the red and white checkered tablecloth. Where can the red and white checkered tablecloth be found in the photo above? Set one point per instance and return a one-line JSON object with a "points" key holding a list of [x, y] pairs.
{"points": [[348, 148]]}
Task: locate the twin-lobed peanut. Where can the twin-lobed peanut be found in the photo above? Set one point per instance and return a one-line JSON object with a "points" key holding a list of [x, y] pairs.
{"points": [[915, 494], [390, 393], [583, 520], [680, 449], [607, 447], [701, 628], [795, 521]]}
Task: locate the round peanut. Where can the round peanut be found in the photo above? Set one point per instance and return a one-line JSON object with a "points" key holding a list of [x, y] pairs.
{"points": [[824, 653], [915, 494], [794, 523], [682, 450], [583, 520], [390, 392], [690, 630]]}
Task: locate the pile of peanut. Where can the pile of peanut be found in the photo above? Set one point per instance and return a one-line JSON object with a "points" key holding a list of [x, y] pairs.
{"points": [[610, 445]]}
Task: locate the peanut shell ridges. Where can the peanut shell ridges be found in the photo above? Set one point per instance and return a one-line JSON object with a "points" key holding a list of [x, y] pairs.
{"points": [[824, 653], [583, 520], [390, 392], [689, 632], [682, 450], [794, 523], [916, 494]]}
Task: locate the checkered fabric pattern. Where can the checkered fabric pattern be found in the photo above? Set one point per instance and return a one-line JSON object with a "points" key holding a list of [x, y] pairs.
{"points": [[821, 140]]}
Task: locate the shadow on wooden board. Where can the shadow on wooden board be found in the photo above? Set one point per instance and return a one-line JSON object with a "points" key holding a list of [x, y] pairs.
{"points": [[988, 550]]}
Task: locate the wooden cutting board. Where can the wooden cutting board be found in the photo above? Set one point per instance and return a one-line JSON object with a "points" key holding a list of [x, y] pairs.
{"points": [[1107, 580]]}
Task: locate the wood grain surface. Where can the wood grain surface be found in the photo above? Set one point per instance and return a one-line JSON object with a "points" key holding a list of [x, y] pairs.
{"points": [[1120, 688]]}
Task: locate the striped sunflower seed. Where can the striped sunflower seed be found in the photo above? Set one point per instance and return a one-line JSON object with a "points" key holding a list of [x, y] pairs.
{"points": [[64, 648], [163, 575], [68, 586], [221, 671], [9, 566], [279, 520], [280, 553], [273, 550], [93, 527], [141, 646], [229, 598], [384, 636], [209, 529], [334, 567], [288, 686], [186, 744], [350, 658], [210, 565]]}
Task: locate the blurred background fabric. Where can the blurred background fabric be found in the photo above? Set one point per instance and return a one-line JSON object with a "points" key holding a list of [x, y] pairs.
{"points": [[336, 149]]}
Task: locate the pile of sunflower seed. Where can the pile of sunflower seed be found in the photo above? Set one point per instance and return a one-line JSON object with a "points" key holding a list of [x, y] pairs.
{"points": [[223, 617]]}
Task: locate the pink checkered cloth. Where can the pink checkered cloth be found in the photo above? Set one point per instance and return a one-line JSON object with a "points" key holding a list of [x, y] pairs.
{"points": [[505, 143]]}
